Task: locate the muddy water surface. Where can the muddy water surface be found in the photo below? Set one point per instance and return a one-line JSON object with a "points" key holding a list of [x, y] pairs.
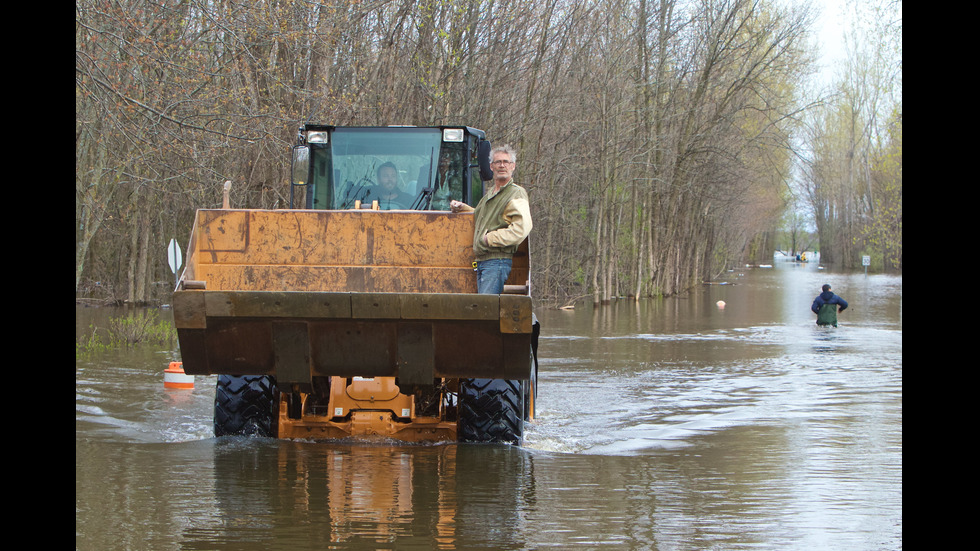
{"points": [[664, 424]]}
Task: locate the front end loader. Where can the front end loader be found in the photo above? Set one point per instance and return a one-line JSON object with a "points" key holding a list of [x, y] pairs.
{"points": [[346, 317]]}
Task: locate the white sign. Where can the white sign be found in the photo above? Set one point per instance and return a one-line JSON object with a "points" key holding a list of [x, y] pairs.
{"points": [[865, 260], [173, 256]]}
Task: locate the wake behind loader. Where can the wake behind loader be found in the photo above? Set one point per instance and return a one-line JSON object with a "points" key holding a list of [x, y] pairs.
{"points": [[353, 315]]}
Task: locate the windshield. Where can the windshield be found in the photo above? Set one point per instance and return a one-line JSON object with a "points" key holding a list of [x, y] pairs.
{"points": [[389, 165]]}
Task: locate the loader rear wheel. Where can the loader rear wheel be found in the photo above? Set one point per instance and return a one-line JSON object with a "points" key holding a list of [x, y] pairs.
{"points": [[246, 405], [490, 410]]}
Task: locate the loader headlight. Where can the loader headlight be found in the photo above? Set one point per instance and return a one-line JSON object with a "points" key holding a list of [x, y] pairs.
{"points": [[317, 136], [452, 134]]}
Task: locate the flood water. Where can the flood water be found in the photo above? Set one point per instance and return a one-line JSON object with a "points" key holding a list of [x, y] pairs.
{"points": [[662, 424]]}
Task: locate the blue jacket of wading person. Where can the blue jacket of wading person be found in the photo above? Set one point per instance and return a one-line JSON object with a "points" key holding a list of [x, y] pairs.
{"points": [[826, 306]]}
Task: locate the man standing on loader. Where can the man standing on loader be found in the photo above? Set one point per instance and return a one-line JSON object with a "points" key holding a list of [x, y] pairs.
{"points": [[502, 222]]}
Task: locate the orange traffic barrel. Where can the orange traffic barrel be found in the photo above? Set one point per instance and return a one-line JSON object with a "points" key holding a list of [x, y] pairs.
{"points": [[174, 376]]}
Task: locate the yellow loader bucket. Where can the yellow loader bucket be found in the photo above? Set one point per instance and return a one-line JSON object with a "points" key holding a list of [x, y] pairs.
{"points": [[298, 294]]}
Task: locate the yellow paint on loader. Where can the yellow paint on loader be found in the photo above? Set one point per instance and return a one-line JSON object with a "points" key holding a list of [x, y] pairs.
{"points": [[369, 304]]}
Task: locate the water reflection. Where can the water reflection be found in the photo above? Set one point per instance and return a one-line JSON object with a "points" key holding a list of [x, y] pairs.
{"points": [[297, 495]]}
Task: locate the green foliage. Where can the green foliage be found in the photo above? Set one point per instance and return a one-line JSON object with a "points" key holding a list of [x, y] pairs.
{"points": [[137, 328], [882, 232], [92, 344], [877, 261], [853, 181]]}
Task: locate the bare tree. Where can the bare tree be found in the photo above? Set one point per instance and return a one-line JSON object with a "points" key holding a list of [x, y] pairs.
{"points": [[652, 134]]}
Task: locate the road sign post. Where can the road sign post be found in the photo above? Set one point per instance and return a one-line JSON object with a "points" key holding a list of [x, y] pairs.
{"points": [[174, 258]]}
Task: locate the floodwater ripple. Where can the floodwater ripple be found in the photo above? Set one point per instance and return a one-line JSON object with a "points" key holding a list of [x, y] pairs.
{"points": [[662, 424]]}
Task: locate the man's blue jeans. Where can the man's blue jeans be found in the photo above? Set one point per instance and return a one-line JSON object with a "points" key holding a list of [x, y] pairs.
{"points": [[491, 275]]}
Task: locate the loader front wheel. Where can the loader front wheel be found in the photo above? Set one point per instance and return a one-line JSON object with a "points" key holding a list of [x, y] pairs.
{"points": [[491, 410], [246, 405]]}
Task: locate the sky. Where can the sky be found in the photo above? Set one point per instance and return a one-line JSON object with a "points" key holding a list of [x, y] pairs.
{"points": [[831, 24], [830, 35]]}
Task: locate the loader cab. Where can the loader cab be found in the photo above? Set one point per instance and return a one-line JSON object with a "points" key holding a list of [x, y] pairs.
{"points": [[338, 168]]}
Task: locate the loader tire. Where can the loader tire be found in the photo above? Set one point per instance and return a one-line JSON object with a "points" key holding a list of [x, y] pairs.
{"points": [[491, 410], [246, 405]]}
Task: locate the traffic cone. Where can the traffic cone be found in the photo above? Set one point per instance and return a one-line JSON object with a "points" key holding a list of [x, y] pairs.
{"points": [[174, 376]]}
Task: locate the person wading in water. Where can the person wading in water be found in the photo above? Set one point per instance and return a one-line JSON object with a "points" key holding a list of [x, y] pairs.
{"points": [[827, 305]]}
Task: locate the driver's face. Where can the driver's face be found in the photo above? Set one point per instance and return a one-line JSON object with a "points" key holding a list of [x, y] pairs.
{"points": [[388, 178]]}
